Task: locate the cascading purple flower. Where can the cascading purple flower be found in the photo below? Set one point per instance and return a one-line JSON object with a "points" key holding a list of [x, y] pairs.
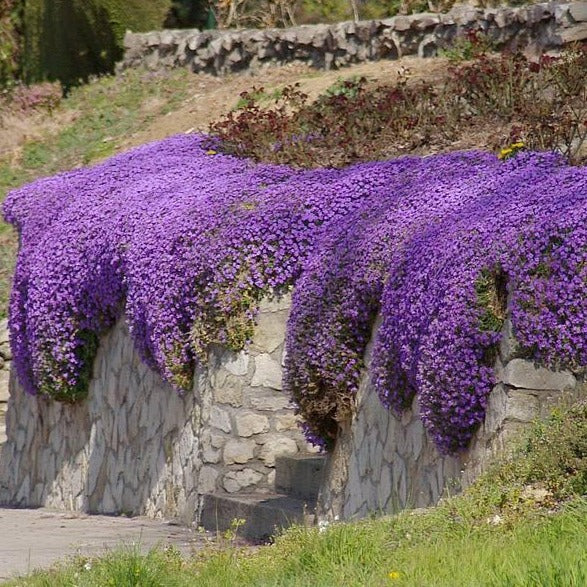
{"points": [[184, 242]]}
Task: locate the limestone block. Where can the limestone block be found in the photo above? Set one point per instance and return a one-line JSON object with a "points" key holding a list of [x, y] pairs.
{"points": [[211, 455], [236, 480], [230, 394], [286, 422], [269, 332], [578, 11], [207, 480], [267, 372], [4, 333], [275, 446], [270, 402], [238, 451], [496, 409], [220, 419], [522, 406], [250, 423], [235, 363], [5, 351], [525, 374]]}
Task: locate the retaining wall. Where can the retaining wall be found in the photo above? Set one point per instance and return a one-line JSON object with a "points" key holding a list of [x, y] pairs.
{"points": [[386, 463], [134, 446], [535, 28]]}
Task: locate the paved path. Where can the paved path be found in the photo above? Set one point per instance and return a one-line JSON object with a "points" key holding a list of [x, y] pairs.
{"points": [[36, 538]]}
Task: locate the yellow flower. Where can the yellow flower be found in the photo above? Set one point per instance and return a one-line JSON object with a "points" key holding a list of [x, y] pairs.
{"points": [[519, 145], [505, 152], [211, 152], [394, 575]]}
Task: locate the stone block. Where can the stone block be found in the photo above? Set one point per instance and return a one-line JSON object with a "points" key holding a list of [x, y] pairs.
{"points": [[526, 375], [4, 385], [207, 480], [220, 419], [578, 10], [286, 422], [267, 373], [574, 33], [270, 402], [236, 480], [275, 446], [269, 332], [231, 395], [496, 410], [238, 451], [4, 332], [5, 351], [235, 363], [250, 423], [521, 406]]}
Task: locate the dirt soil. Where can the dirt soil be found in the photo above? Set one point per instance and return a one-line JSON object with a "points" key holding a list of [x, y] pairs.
{"points": [[215, 96]]}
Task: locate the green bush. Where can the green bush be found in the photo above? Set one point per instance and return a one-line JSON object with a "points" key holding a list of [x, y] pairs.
{"points": [[71, 40], [9, 41]]}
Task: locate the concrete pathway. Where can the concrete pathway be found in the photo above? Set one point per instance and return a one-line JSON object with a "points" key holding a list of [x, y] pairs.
{"points": [[37, 538]]}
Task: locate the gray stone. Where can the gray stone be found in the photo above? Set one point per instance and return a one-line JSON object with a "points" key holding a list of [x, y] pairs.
{"points": [[231, 395], [207, 480], [220, 419], [526, 375], [521, 406], [5, 351], [238, 451], [236, 363], [578, 11], [4, 332], [270, 402], [574, 33], [250, 423], [496, 409], [269, 332], [236, 480], [276, 446], [267, 373]]}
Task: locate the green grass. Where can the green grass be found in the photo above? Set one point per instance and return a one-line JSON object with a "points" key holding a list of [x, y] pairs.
{"points": [[522, 524], [103, 114]]}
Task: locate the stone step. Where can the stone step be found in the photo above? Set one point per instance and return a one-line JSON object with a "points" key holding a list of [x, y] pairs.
{"points": [[299, 476], [263, 514]]}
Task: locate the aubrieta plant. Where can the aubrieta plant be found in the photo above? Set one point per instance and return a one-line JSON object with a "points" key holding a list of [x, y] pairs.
{"points": [[184, 242]]}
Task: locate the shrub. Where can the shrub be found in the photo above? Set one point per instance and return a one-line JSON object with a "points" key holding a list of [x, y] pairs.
{"points": [[542, 104]]}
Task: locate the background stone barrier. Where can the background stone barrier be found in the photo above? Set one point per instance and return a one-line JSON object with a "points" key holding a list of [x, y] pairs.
{"points": [[534, 28]]}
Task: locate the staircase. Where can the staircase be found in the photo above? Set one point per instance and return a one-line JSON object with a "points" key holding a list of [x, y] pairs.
{"points": [[297, 481]]}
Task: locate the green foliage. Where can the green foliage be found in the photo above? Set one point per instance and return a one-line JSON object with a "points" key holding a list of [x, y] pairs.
{"points": [[71, 40], [10, 23]]}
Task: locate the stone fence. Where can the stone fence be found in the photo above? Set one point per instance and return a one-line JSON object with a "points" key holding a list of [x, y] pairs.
{"points": [[535, 28], [136, 447]]}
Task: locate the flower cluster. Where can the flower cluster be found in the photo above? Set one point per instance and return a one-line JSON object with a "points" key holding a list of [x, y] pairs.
{"points": [[184, 242]]}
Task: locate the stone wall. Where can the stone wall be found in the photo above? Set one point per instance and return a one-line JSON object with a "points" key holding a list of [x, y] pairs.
{"points": [[134, 446], [5, 356], [385, 463], [536, 28]]}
